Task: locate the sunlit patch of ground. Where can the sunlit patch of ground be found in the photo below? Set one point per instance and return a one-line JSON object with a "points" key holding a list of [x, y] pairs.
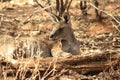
{"points": [[32, 21]]}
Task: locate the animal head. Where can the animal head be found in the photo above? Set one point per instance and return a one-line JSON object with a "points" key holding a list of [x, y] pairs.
{"points": [[62, 29]]}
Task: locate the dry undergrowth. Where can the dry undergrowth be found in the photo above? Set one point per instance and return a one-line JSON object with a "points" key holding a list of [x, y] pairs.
{"points": [[95, 37]]}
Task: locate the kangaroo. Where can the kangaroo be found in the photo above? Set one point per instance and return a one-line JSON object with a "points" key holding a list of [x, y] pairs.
{"points": [[62, 42], [62, 31], [24, 47]]}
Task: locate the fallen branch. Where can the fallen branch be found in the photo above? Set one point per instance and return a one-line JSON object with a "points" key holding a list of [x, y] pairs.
{"points": [[81, 63]]}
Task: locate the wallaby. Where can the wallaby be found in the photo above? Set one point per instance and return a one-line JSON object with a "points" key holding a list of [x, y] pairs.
{"points": [[62, 41], [63, 32], [23, 47]]}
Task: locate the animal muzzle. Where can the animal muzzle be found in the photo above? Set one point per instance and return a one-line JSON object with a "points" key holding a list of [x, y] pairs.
{"points": [[51, 37]]}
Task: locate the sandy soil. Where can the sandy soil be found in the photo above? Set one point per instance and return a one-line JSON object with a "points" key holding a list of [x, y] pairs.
{"points": [[94, 35]]}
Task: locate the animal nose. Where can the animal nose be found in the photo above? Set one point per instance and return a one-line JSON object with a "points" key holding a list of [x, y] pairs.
{"points": [[51, 37]]}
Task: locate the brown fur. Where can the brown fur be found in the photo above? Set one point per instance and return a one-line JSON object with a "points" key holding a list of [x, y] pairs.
{"points": [[62, 43], [67, 42]]}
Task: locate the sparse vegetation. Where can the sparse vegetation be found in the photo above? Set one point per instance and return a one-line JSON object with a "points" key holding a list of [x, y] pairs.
{"points": [[33, 32]]}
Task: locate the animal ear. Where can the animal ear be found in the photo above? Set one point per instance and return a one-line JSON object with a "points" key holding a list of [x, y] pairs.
{"points": [[55, 18], [66, 17]]}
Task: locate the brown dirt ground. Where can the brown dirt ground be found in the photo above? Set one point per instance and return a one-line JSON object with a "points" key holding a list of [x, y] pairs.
{"points": [[94, 35]]}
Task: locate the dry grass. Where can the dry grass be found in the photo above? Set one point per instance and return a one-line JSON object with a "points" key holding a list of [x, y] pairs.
{"points": [[26, 22]]}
